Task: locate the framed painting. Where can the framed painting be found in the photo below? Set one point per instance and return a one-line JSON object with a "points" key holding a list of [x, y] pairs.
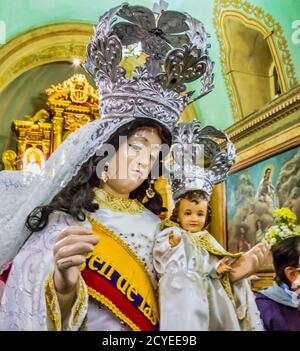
{"points": [[253, 193], [266, 175]]}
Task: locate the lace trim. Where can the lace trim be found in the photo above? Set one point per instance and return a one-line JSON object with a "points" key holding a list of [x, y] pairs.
{"points": [[53, 312], [101, 298], [79, 305], [52, 305], [117, 204]]}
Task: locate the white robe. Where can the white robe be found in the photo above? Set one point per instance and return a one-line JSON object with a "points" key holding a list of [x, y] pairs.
{"points": [[191, 294], [23, 306]]}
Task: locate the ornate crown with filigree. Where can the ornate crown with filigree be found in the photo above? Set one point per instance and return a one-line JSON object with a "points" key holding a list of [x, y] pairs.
{"points": [[199, 162], [174, 47]]}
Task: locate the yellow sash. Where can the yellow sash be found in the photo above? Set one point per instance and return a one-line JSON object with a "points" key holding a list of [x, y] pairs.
{"points": [[118, 279]]}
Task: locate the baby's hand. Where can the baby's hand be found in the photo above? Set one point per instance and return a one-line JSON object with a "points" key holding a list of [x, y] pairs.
{"points": [[223, 265], [174, 240]]}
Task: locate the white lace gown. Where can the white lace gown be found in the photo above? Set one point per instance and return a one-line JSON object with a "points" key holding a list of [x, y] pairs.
{"points": [[23, 306], [191, 294]]}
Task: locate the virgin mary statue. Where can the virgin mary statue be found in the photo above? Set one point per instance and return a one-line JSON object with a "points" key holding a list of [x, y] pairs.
{"points": [[78, 237]]}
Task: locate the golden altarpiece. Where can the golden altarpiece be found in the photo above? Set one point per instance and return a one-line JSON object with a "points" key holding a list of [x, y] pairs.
{"points": [[69, 106]]}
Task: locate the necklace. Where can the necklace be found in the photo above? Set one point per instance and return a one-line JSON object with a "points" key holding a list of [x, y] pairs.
{"points": [[117, 203]]}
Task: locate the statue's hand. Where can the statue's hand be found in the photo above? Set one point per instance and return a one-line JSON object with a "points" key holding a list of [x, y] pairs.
{"points": [[249, 262], [71, 247], [223, 265], [174, 239]]}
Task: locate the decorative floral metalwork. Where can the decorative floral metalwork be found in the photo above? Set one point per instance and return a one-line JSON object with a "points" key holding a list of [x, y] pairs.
{"points": [[186, 172], [177, 53]]}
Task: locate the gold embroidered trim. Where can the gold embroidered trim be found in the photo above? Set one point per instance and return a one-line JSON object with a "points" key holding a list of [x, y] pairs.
{"points": [[101, 298], [168, 223], [115, 237], [53, 312], [203, 241], [117, 204], [52, 304], [246, 322], [225, 281], [78, 305]]}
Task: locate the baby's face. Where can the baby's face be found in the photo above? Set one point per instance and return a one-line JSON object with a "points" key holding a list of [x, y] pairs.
{"points": [[191, 216]]}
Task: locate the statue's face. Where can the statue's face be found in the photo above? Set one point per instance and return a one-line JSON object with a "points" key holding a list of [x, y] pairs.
{"points": [[191, 215], [133, 161]]}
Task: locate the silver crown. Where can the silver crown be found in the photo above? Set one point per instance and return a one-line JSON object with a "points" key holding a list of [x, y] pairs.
{"points": [[175, 45], [198, 160]]}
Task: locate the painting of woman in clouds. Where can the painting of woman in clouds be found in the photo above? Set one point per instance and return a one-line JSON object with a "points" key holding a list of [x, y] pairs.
{"points": [[253, 194]]}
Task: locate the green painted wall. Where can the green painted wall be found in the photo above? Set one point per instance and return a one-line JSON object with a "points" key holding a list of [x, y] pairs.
{"points": [[23, 15]]}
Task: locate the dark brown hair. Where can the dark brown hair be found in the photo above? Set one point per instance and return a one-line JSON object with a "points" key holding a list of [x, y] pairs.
{"points": [[194, 196], [286, 253], [78, 195]]}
